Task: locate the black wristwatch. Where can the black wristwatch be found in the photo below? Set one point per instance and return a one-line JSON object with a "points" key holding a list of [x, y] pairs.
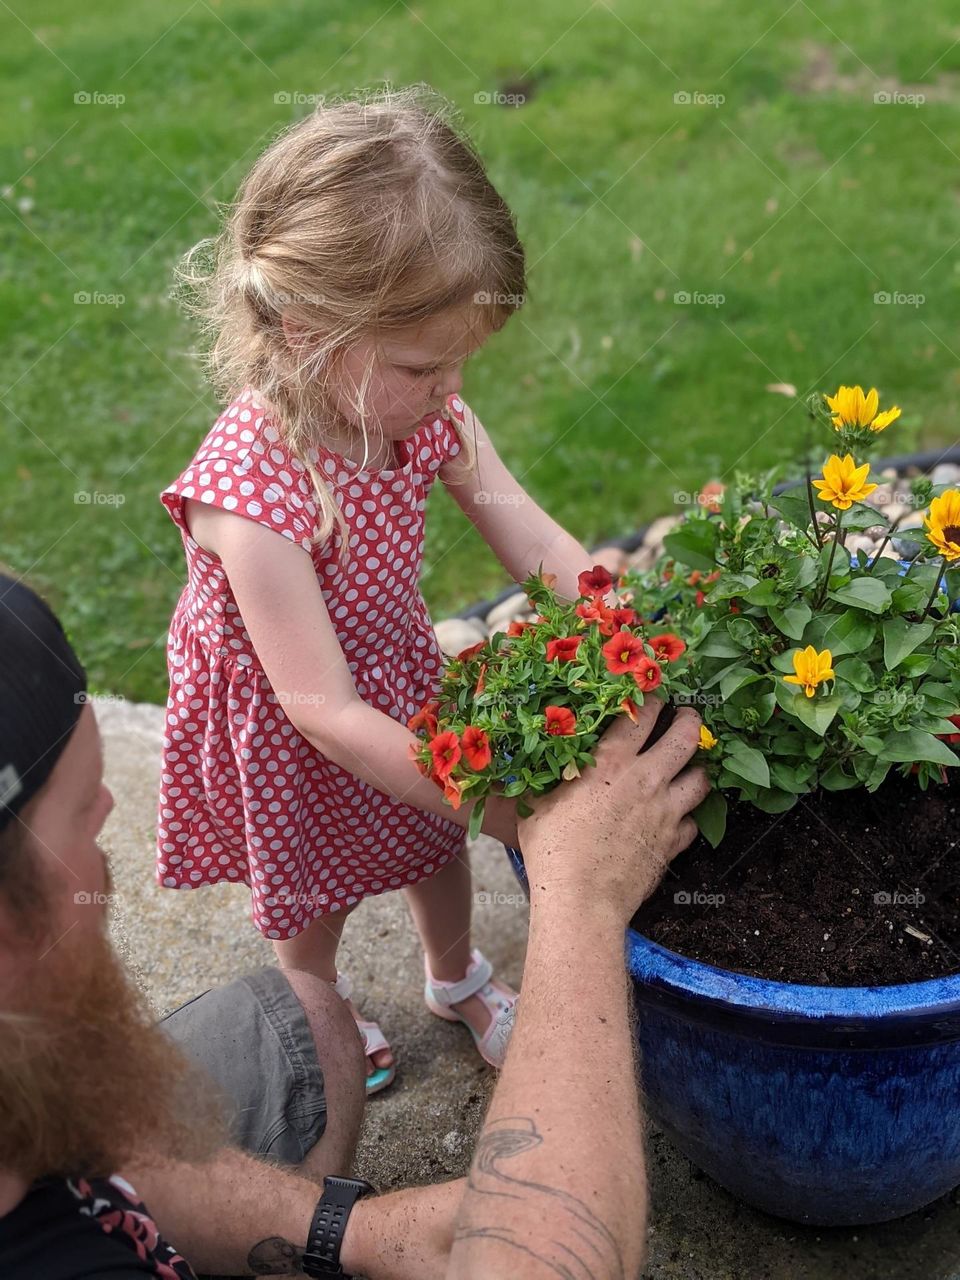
{"points": [[322, 1254]]}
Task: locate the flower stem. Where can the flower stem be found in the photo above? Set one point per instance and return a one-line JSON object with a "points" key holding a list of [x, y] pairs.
{"points": [[813, 512], [941, 569], [833, 551], [883, 545]]}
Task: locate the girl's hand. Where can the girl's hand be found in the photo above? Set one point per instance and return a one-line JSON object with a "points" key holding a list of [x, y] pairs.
{"points": [[500, 820]]}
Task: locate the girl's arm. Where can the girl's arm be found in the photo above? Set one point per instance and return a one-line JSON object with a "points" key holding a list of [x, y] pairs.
{"points": [[275, 586], [518, 531]]}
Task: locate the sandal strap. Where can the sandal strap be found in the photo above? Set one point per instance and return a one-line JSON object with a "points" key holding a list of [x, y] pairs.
{"points": [[493, 1045], [373, 1038], [478, 975], [343, 986]]}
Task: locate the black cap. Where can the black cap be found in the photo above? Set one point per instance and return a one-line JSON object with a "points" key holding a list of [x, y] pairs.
{"points": [[42, 692]]}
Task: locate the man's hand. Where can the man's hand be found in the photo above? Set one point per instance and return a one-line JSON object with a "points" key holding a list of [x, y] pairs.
{"points": [[614, 830]]}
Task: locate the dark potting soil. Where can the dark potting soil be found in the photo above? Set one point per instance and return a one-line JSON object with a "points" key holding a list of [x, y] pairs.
{"points": [[845, 889]]}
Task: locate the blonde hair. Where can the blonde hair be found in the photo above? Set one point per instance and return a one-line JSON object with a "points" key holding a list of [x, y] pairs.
{"points": [[371, 214]]}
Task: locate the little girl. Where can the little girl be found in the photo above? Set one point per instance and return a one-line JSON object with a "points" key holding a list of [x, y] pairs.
{"points": [[366, 257]]}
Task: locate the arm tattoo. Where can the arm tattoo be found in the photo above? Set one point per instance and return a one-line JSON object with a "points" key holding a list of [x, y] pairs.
{"points": [[581, 1247], [275, 1256]]}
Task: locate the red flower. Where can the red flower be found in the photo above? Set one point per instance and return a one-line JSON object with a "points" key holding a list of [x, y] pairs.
{"points": [[549, 580], [734, 608], [476, 747], [518, 628], [468, 653], [622, 653], [699, 598], [426, 718], [694, 577], [647, 674], [480, 682], [452, 791], [445, 749], [630, 708], [594, 582], [666, 647], [560, 721], [625, 617], [564, 649], [597, 611]]}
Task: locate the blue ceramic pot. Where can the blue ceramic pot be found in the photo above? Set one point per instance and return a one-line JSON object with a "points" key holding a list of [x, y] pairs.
{"points": [[830, 1105]]}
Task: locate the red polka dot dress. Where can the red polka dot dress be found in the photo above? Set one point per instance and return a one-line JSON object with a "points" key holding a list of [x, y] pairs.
{"points": [[244, 797]]}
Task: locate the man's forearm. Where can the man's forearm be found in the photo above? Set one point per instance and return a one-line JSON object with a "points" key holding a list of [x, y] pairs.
{"points": [[230, 1215], [558, 1183], [237, 1215]]}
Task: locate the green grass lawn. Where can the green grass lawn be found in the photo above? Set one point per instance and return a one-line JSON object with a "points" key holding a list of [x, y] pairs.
{"points": [[797, 199]]}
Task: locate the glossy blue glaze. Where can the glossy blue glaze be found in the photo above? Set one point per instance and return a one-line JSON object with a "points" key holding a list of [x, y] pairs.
{"points": [[831, 1105]]}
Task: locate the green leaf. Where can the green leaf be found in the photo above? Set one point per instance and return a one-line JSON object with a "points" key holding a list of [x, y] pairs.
{"points": [[711, 817], [476, 818], [834, 779], [865, 593], [718, 645], [855, 673], [794, 505], [816, 713], [730, 585], [734, 680], [901, 638], [765, 592], [746, 762], [848, 632], [694, 543], [862, 516], [912, 745], [774, 801], [792, 620]]}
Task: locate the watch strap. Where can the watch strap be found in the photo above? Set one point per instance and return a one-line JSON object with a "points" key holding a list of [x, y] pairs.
{"points": [[322, 1254]]}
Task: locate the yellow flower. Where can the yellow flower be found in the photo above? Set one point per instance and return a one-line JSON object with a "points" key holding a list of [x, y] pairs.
{"points": [[812, 668], [843, 482], [707, 740], [851, 408], [943, 524]]}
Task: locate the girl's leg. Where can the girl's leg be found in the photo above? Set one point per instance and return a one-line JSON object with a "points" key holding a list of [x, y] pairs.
{"points": [[314, 950], [441, 907]]}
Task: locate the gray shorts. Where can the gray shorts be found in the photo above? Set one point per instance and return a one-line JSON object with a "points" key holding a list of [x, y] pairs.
{"points": [[252, 1036]]}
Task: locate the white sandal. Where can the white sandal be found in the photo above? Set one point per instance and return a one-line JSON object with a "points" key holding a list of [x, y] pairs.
{"points": [[492, 1045], [373, 1041]]}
